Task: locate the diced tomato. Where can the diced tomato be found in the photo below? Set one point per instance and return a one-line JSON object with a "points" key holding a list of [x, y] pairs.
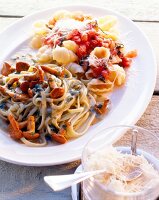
{"points": [[49, 41], [126, 62], [73, 33], [92, 34], [84, 37], [82, 51], [77, 39], [87, 44], [97, 71], [114, 52], [105, 73], [94, 43]]}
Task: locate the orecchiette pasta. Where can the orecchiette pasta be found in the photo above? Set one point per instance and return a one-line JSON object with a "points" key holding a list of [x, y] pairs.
{"points": [[40, 28], [62, 14], [44, 54], [36, 42], [63, 56], [101, 52], [99, 87], [117, 75], [75, 68], [78, 15], [107, 22], [70, 45]]}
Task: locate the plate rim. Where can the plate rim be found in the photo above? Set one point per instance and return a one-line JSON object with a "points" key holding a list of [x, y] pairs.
{"points": [[131, 121]]}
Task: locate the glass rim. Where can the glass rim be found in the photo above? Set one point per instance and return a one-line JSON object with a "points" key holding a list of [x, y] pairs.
{"points": [[125, 194]]}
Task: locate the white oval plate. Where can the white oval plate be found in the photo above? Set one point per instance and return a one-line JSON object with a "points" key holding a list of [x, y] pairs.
{"points": [[128, 102]]}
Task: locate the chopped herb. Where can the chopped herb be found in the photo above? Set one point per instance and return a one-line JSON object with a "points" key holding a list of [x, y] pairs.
{"points": [[2, 105], [76, 86], [9, 85], [92, 109], [37, 88], [64, 126], [49, 111], [48, 137], [48, 26], [37, 113], [101, 78], [119, 45], [69, 98], [53, 128], [66, 76], [74, 92], [99, 106]]}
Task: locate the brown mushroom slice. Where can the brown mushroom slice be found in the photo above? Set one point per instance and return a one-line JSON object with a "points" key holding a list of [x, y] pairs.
{"points": [[51, 81], [30, 133], [50, 70], [103, 108], [37, 75], [41, 73], [31, 124], [22, 66], [32, 77], [15, 134], [13, 95], [30, 136], [7, 69], [11, 81], [24, 86], [30, 93], [59, 138], [17, 97], [23, 124], [57, 93], [14, 130], [3, 89]]}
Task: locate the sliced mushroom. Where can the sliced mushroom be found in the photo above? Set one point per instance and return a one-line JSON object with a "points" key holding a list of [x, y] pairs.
{"points": [[57, 92], [38, 75], [59, 137], [22, 66], [50, 70], [30, 133], [14, 130], [7, 69]]}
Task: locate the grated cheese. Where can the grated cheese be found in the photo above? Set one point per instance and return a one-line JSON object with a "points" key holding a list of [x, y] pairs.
{"points": [[119, 165]]}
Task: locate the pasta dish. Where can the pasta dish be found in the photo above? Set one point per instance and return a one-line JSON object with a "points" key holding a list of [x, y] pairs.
{"points": [[57, 94]]}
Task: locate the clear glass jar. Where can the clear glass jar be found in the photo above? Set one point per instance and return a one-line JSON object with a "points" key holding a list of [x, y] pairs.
{"points": [[121, 136]]}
